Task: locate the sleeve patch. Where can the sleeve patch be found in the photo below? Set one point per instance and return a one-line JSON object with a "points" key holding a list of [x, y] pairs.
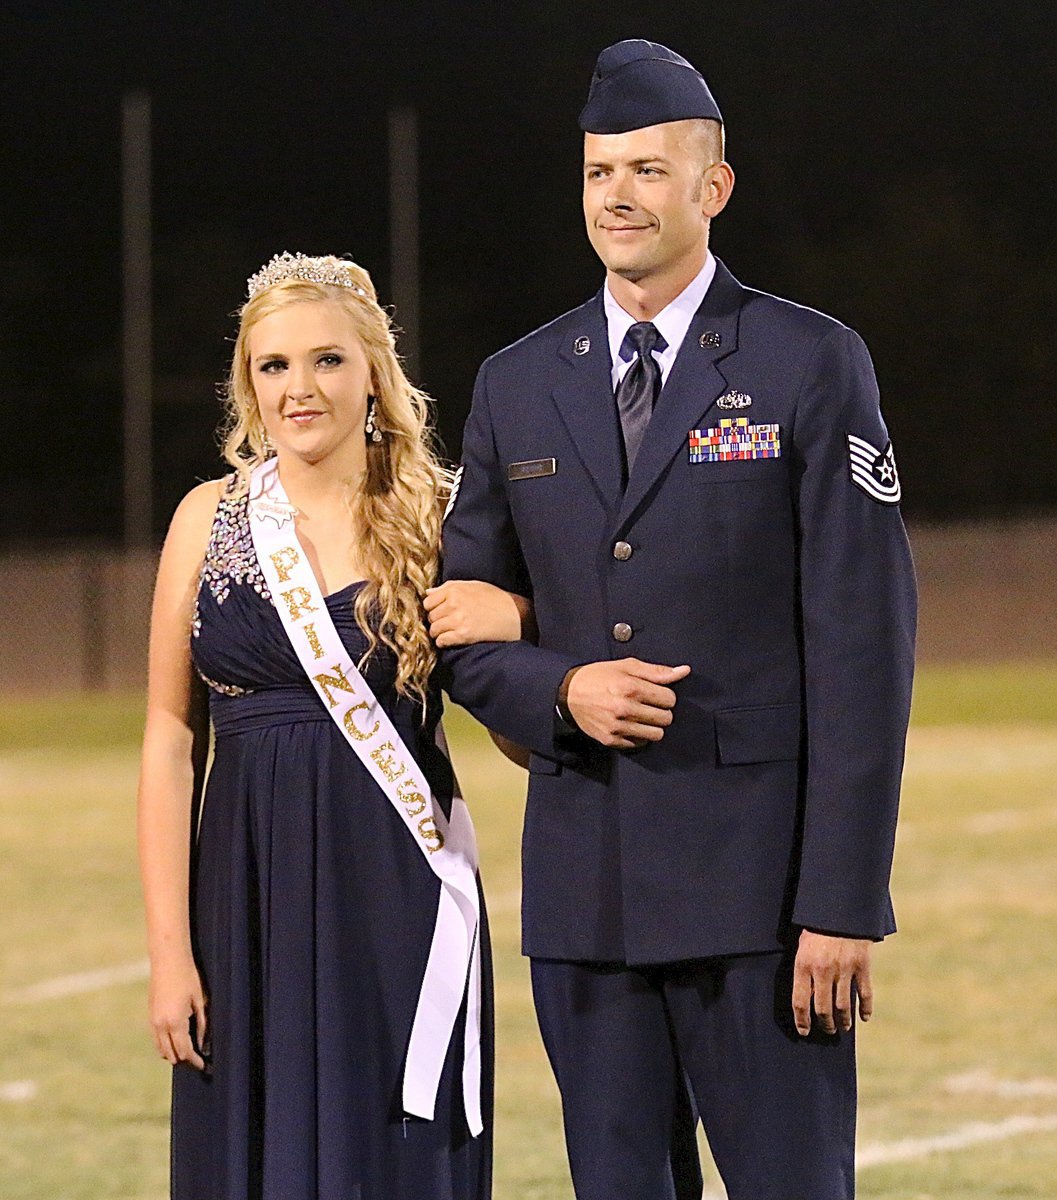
{"points": [[874, 470], [453, 494]]}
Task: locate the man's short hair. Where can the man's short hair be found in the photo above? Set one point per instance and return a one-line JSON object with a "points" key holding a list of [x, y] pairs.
{"points": [[708, 137]]}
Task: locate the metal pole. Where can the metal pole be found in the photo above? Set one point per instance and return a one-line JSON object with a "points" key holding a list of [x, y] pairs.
{"points": [[403, 231], [136, 332], [93, 620]]}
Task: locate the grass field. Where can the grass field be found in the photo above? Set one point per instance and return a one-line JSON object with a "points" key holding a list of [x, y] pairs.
{"points": [[958, 1071]]}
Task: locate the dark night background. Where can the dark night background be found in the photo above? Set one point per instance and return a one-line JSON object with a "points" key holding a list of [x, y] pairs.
{"points": [[896, 167]]}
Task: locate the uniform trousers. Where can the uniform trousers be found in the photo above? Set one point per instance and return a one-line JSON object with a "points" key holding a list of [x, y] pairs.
{"points": [[778, 1110]]}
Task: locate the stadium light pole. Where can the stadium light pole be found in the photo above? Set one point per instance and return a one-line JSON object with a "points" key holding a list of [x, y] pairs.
{"points": [[403, 232], [138, 471]]}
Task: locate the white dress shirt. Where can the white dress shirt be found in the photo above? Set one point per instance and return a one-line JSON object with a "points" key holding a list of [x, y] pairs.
{"points": [[671, 322]]}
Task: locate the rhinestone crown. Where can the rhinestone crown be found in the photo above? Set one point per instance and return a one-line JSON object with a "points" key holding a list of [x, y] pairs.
{"points": [[301, 266]]}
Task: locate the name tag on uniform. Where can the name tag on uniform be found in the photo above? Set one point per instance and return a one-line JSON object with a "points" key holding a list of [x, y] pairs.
{"points": [[532, 468]]}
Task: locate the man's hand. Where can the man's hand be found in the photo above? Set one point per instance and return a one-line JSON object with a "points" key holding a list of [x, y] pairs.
{"points": [[622, 703], [825, 970]]}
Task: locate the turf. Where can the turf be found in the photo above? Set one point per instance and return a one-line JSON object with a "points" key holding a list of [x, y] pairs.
{"points": [[966, 994], [988, 694]]}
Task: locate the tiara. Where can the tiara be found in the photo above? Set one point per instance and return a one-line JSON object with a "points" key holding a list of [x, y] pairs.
{"points": [[301, 266]]}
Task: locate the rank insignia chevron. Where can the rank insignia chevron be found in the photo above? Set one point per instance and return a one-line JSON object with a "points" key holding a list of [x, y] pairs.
{"points": [[874, 470]]}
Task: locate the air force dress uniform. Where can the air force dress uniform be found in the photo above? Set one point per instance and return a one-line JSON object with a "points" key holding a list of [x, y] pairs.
{"points": [[757, 538]]}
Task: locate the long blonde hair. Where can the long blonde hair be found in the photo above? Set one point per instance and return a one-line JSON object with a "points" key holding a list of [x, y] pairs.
{"points": [[395, 515]]}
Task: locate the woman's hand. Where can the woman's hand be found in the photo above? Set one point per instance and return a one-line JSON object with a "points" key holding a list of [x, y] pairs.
{"points": [[465, 611], [176, 996]]}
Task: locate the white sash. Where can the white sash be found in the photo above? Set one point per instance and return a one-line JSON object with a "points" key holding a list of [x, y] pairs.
{"points": [[454, 965]]}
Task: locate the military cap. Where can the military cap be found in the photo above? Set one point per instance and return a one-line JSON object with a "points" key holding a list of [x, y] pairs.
{"points": [[638, 83]]}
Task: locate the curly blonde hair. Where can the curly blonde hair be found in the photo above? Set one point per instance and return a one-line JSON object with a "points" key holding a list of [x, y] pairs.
{"points": [[395, 515]]}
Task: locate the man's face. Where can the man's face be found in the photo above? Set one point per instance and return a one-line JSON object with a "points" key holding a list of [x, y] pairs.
{"points": [[644, 199]]}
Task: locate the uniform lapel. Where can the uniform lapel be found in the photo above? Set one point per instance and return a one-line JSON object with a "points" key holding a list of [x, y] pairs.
{"points": [[584, 399], [694, 384]]}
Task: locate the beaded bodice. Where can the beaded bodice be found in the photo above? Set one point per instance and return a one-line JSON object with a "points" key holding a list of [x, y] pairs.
{"points": [[238, 642], [230, 556], [243, 654]]}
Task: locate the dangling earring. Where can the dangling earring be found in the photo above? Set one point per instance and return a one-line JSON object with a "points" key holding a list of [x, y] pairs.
{"points": [[371, 431], [267, 449]]}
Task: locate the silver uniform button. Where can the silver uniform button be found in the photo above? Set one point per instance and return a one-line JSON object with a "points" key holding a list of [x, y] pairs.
{"points": [[622, 551], [622, 631]]}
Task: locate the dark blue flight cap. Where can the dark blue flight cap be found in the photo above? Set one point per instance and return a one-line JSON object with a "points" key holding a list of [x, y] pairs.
{"points": [[638, 83]]}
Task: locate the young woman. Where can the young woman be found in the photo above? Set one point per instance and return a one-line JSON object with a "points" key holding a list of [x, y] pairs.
{"points": [[296, 922]]}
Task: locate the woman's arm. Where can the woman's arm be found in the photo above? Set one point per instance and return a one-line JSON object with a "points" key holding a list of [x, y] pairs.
{"points": [[175, 744], [463, 612]]}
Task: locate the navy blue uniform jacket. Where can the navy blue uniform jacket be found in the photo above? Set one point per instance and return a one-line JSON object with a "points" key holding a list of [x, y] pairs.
{"points": [[771, 801]]}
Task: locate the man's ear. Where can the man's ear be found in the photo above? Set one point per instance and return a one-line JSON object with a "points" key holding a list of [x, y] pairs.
{"points": [[717, 185]]}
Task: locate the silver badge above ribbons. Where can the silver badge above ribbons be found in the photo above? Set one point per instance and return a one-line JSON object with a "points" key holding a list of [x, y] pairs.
{"points": [[734, 400]]}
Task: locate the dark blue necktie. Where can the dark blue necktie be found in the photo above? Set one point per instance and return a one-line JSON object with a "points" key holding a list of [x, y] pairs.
{"points": [[637, 391]]}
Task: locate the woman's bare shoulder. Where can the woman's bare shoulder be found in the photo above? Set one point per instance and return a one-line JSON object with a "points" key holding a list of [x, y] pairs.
{"points": [[192, 522]]}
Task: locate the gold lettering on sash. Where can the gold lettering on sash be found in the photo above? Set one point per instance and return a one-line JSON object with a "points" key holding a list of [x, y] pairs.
{"points": [[284, 561], [313, 640], [353, 730], [415, 802], [298, 599], [326, 682], [387, 764], [430, 833], [411, 795]]}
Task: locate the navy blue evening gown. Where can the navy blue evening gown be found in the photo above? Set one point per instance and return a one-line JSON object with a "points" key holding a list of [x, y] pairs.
{"points": [[312, 912]]}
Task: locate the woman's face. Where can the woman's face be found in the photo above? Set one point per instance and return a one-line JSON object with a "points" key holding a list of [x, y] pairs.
{"points": [[311, 379]]}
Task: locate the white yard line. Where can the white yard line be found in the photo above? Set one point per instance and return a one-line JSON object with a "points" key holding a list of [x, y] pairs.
{"points": [[979, 750], [79, 984], [872, 1155], [973, 1134], [1008, 820], [985, 1083]]}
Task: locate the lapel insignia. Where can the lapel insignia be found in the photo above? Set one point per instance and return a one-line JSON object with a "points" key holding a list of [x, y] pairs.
{"points": [[710, 338], [734, 440], [734, 400], [452, 495], [582, 344], [874, 470]]}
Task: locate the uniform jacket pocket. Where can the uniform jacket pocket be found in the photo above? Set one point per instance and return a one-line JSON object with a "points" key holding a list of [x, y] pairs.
{"points": [[762, 733]]}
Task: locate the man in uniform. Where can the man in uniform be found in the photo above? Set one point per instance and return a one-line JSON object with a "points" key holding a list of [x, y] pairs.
{"points": [[693, 482]]}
